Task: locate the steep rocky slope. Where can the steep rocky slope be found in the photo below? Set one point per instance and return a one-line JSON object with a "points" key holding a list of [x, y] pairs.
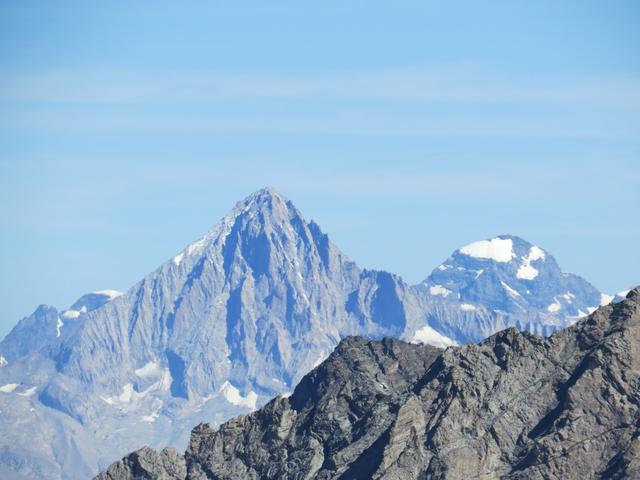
{"points": [[515, 406]]}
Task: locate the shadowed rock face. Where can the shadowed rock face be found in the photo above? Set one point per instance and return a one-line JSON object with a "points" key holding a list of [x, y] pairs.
{"points": [[515, 406]]}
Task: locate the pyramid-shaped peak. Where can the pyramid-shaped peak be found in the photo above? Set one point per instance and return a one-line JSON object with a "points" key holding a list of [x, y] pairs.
{"points": [[267, 200], [263, 207], [266, 194]]}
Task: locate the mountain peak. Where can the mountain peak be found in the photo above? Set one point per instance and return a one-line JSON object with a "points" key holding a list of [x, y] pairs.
{"points": [[266, 195], [264, 206], [510, 275]]}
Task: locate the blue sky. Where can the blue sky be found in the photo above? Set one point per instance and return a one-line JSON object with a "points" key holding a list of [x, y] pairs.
{"points": [[127, 129]]}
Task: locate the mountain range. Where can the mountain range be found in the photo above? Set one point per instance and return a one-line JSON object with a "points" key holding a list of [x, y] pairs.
{"points": [[514, 406], [236, 318]]}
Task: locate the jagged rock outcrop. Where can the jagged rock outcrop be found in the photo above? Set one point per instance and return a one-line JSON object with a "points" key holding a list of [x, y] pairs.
{"points": [[515, 406]]}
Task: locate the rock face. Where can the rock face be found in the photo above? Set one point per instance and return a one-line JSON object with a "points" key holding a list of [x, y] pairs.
{"points": [[515, 406]]}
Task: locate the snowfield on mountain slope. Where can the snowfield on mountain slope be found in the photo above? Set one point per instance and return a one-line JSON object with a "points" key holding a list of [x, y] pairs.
{"points": [[498, 249]]}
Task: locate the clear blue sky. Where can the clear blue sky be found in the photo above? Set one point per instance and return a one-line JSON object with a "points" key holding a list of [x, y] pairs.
{"points": [[405, 129]]}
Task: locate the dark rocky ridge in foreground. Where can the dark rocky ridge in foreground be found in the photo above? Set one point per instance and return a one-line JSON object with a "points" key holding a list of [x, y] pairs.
{"points": [[514, 406]]}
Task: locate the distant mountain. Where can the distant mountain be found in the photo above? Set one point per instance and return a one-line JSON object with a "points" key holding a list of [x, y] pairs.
{"points": [[236, 318], [506, 281], [516, 406], [46, 324]]}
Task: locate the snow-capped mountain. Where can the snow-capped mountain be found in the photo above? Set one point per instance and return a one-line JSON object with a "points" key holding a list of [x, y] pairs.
{"points": [[506, 281], [234, 319]]}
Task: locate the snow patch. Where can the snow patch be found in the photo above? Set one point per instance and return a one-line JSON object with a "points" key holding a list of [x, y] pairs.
{"points": [[526, 271], [605, 299], [429, 336], [28, 392], [155, 411], [321, 358], [109, 293], [467, 307], [509, 290], [554, 307], [150, 418], [497, 249], [130, 395], [8, 388], [71, 314], [233, 396], [439, 290], [125, 397], [443, 267], [178, 259], [623, 293], [151, 369], [3, 361], [59, 325]]}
